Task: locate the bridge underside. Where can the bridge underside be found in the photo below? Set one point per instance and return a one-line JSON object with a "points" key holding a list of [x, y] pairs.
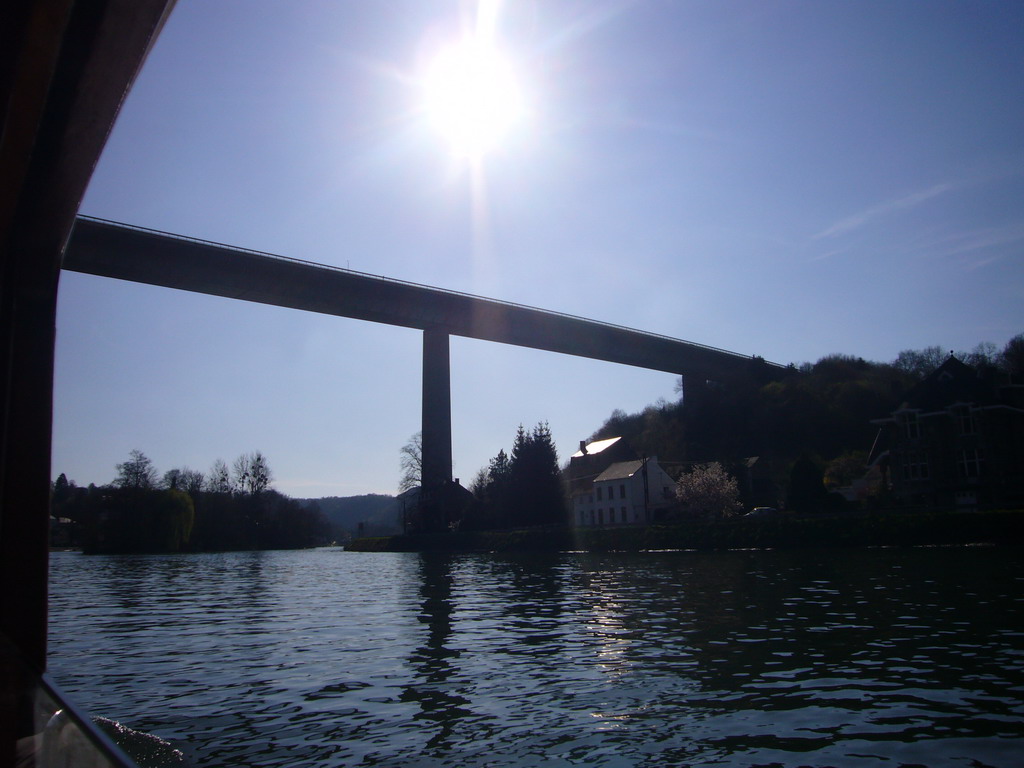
{"points": [[128, 253]]}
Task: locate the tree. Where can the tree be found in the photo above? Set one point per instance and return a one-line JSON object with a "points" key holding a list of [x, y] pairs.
{"points": [[1012, 358], [219, 479], [183, 479], [172, 516], [844, 469], [534, 480], [251, 473], [521, 488], [172, 480], [478, 486], [919, 362], [709, 491], [138, 473], [191, 481], [411, 463], [806, 491], [61, 489], [984, 355]]}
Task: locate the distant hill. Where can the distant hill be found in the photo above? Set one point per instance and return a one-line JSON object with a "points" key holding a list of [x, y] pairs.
{"points": [[379, 513]]}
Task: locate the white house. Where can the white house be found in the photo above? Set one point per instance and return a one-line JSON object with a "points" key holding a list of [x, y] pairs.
{"points": [[626, 493]]}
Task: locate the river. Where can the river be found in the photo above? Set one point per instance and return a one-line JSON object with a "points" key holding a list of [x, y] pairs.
{"points": [[879, 657]]}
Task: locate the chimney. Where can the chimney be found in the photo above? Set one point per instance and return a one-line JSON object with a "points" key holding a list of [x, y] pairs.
{"points": [[583, 447]]}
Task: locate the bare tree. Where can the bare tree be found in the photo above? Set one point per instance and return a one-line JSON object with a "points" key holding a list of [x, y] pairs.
{"points": [[251, 473], [920, 362], [219, 479], [1012, 357], [191, 481], [183, 479], [172, 479], [411, 462], [983, 355], [138, 472]]}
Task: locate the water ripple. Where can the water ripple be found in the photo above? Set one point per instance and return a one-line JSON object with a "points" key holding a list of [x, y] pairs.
{"points": [[324, 658]]}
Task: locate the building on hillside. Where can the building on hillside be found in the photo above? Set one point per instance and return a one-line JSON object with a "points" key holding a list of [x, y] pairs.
{"points": [[594, 458], [625, 493], [957, 440]]}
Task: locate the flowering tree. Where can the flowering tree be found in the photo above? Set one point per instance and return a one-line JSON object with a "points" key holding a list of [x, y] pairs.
{"points": [[709, 491]]}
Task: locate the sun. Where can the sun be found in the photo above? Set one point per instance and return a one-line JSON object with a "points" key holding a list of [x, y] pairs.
{"points": [[472, 97]]}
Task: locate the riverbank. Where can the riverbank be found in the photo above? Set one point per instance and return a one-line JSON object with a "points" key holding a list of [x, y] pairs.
{"points": [[860, 530]]}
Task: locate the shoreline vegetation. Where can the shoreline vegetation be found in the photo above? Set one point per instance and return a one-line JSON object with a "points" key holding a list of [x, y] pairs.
{"points": [[869, 529], [807, 440]]}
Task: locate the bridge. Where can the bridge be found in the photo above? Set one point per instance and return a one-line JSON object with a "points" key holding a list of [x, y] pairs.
{"points": [[67, 68], [110, 249]]}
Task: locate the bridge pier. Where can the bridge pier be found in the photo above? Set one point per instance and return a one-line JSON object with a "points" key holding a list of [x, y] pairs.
{"points": [[436, 431]]}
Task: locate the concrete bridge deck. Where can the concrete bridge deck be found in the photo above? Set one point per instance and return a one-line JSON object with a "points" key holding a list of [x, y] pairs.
{"points": [[109, 249]]}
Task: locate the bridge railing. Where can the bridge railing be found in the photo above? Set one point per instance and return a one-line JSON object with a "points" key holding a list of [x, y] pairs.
{"points": [[346, 270]]}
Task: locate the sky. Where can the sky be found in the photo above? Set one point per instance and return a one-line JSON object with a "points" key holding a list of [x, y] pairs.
{"points": [[784, 179]]}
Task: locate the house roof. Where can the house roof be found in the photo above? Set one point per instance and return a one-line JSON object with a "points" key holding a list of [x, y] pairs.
{"points": [[620, 470], [597, 446], [952, 382]]}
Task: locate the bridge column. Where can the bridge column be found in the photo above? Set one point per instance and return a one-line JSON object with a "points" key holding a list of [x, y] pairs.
{"points": [[437, 412]]}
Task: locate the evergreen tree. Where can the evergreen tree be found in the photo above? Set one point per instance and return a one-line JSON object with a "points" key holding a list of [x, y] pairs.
{"points": [[61, 489], [521, 488], [535, 486], [495, 498]]}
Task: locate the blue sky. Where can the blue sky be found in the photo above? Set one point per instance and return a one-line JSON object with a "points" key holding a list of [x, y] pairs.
{"points": [[786, 179]]}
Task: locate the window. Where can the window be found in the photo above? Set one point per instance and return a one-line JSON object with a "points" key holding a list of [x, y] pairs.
{"points": [[599, 493], [915, 466], [911, 426], [622, 491], [968, 426], [970, 462]]}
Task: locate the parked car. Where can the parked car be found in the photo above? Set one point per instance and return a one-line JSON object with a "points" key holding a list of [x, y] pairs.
{"points": [[762, 512]]}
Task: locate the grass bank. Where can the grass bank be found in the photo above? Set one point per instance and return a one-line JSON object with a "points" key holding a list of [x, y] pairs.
{"points": [[859, 530]]}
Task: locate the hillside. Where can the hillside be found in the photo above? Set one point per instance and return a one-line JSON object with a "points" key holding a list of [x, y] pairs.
{"points": [[379, 514]]}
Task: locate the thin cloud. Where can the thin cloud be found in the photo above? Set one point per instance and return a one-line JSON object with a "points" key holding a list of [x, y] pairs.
{"points": [[828, 254], [858, 220], [969, 244]]}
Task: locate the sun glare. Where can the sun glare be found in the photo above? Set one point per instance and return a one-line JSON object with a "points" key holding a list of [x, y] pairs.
{"points": [[472, 97]]}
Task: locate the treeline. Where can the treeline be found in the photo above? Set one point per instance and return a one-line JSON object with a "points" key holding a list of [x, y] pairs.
{"points": [[187, 511], [371, 514], [521, 488], [813, 417]]}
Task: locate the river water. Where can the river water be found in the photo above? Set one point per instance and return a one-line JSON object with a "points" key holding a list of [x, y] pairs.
{"points": [[883, 657]]}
